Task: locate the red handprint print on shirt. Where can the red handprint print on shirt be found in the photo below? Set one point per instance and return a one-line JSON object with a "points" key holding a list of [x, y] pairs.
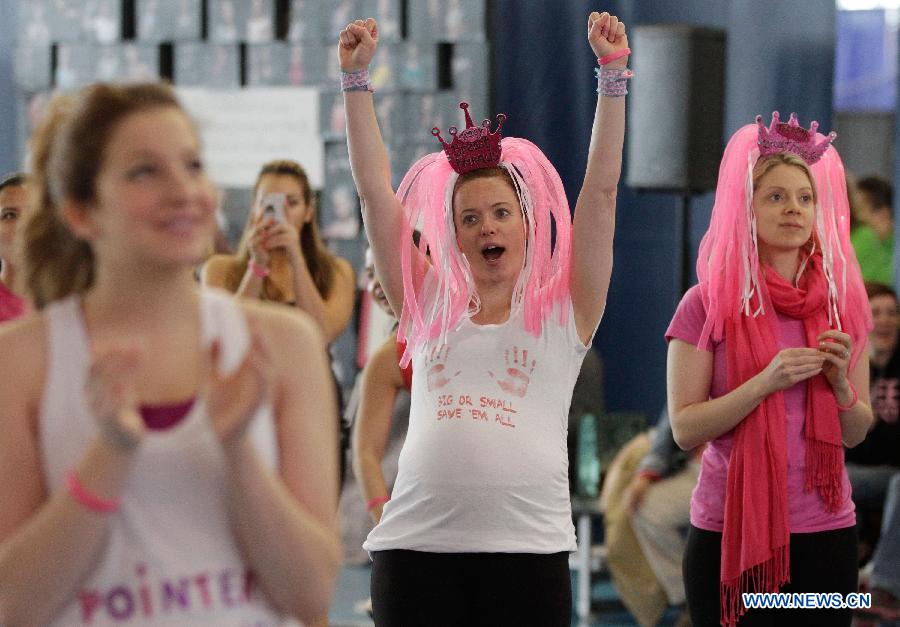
{"points": [[518, 379], [435, 368]]}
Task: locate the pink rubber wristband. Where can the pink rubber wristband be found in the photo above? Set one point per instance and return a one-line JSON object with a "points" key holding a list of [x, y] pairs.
{"points": [[853, 400], [624, 52], [91, 501], [257, 269], [375, 502]]}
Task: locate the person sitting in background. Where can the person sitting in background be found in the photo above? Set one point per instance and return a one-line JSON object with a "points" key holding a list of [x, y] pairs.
{"points": [[647, 505], [872, 463], [14, 207], [873, 239], [883, 572]]}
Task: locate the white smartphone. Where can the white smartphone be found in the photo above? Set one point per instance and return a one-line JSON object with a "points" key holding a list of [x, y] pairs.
{"points": [[272, 205]]}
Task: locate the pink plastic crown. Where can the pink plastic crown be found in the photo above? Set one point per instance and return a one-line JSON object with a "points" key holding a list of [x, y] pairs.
{"points": [[474, 147], [791, 137]]}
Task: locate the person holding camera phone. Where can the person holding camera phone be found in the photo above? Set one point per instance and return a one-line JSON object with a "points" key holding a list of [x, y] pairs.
{"points": [[281, 257]]}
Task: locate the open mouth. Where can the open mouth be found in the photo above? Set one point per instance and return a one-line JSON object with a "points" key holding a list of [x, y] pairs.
{"points": [[492, 252]]}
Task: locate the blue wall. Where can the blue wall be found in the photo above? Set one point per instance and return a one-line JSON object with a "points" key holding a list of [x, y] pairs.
{"points": [[779, 56], [9, 146]]}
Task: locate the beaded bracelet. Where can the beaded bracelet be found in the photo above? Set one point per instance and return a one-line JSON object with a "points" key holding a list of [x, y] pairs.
{"points": [[853, 400], [356, 81], [88, 499], [260, 271], [612, 83]]}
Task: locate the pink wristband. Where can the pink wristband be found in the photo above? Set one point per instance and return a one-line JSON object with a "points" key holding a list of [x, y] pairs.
{"points": [[89, 500], [624, 52], [260, 271], [375, 502], [853, 400]]}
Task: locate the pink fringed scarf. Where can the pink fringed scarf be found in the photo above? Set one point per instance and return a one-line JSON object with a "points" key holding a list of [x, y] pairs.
{"points": [[756, 535], [739, 303]]}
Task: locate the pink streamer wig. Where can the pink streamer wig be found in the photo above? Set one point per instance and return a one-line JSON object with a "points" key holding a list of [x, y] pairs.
{"points": [[439, 291], [728, 261]]}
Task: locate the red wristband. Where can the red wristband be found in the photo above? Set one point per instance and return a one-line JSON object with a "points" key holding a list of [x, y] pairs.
{"points": [[260, 271], [89, 500], [853, 399], [624, 52], [652, 475], [375, 502]]}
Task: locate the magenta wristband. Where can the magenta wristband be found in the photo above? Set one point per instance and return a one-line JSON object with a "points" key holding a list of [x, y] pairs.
{"points": [[375, 502], [624, 52], [260, 271], [87, 499], [853, 400]]}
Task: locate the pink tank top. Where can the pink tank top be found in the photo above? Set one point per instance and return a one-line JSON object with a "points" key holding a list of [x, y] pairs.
{"points": [[170, 557]]}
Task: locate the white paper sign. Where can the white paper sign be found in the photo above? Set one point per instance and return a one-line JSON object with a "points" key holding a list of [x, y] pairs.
{"points": [[243, 129]]}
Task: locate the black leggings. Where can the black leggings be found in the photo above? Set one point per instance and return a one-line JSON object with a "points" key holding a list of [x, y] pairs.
{"points": [[412, 588], [820, 562]]}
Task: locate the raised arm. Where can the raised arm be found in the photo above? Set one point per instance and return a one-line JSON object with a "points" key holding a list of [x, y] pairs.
{"points": [[595, 209], [381, 379], [382, 213]]}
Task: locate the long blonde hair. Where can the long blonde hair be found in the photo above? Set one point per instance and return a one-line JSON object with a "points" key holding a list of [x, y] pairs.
{"points": [[67, 152], [319, 260]]}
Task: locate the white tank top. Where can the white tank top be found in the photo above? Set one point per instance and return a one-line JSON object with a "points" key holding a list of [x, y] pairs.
{"points": [[484, 467], [170, 556]]}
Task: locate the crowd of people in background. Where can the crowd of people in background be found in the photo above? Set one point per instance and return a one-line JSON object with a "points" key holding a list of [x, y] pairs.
{"points": [[175, 448]]}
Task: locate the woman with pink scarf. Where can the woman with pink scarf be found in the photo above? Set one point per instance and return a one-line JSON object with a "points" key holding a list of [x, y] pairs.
{"points": [[767, 364]]}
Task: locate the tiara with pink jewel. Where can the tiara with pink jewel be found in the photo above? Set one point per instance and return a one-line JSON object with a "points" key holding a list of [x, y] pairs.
{"points": [[475, 146], [791, 137]]}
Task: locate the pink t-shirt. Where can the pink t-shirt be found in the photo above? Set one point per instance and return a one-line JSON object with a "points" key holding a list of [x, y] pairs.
{"points": [[806, 511], [12, 306]]}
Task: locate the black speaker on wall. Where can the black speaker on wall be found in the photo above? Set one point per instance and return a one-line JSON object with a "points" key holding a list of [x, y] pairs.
{"points": [[676, 105]]}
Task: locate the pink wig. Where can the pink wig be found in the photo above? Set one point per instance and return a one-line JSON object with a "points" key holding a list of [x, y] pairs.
{"points": [[728, 261], [439, 292]]}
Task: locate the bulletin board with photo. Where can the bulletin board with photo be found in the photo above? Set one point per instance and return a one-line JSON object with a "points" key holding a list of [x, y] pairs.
{"points": [[469, 67], [446, 20], [76, 66], [65, 19], [168, 20], [389, 14], [207, 65], [225, 21], [101, 21], [34, 23], [259, 21], [32, 67], [139, 62], [338, 211], [281, 63], [308, 21], [333, 125], [417, 66]]}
